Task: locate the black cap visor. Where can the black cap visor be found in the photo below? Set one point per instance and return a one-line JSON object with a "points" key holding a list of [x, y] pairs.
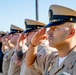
{"points": [[53, 24], [26, 31], [60, 19], [11, 32]]}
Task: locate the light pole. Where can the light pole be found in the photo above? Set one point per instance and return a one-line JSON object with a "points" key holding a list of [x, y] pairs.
{"points": [[37, 10]]}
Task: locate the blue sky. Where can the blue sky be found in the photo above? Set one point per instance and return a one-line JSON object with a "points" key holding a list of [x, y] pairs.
{"points": [[16, 11]]}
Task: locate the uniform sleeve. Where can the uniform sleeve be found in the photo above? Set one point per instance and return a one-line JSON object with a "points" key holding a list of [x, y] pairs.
{"points": [[44, 50], [42, 60], [21, 52], [74, 71]]}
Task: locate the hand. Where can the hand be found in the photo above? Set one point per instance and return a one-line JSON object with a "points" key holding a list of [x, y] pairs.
{"points": [[21, 41], [7, 37], [39, 37], [16, 61], [21, 38], [3, 40]]}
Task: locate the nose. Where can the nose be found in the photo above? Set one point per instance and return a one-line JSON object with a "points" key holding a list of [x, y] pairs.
{"points": [[10, 36], [49, 32]]}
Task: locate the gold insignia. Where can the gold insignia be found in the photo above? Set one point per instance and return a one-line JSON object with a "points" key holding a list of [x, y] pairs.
{"points": [[50, 66], [18, 31], [71, 19], [38, 27], [50, 13]]}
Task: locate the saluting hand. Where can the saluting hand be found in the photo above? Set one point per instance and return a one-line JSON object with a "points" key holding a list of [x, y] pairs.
{"points": [[21, 41], [21, 38], [39, 37]]}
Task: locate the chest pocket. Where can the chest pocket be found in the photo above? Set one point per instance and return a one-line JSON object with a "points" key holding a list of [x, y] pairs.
{"points": [[50, 63], [70, 66], [6, 56]]}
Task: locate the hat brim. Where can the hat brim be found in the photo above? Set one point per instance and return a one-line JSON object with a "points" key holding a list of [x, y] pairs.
{"points": [[26, 31], [2, 35], [53, 24], [12, 32]]}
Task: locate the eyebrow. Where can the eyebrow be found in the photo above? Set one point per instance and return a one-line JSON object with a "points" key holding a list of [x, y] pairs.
{"points": [[54, 27]]}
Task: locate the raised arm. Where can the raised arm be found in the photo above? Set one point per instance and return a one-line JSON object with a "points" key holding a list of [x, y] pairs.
{"points": [[7, 41], [32, 50], [20, 48], [4, 46]]}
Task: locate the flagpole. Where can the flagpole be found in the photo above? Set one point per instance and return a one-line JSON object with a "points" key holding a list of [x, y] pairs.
{"points": [[37, 10]]}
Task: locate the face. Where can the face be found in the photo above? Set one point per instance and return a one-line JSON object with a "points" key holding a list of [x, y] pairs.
{"points": [[29, 36], [58, 35], [8, 37], [2, 39], [14, 37]]}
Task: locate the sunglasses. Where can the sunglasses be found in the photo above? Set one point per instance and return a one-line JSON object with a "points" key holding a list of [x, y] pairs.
{"points": [[14, 34], [31, 31]]}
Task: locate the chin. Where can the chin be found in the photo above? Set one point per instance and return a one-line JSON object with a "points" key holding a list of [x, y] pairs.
{"points": [[51, 45], [11, 42]]}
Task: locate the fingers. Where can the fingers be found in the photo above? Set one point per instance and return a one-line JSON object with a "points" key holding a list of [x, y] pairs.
{"points": [[39, 36], [22, 37], [44, 37], [40, 33]]}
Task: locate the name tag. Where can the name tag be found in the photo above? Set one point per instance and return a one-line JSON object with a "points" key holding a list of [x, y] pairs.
{"points": [[65, 73]]}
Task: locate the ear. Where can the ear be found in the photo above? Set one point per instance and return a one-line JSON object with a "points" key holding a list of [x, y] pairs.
{"points": [[72, 32]]}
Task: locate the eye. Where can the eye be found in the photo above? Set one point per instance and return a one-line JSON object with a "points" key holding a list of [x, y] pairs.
{"points": [[54, 28]]}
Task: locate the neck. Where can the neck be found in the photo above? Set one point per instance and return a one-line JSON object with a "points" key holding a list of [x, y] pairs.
{"points": [[14, 44], [65, 49]]}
